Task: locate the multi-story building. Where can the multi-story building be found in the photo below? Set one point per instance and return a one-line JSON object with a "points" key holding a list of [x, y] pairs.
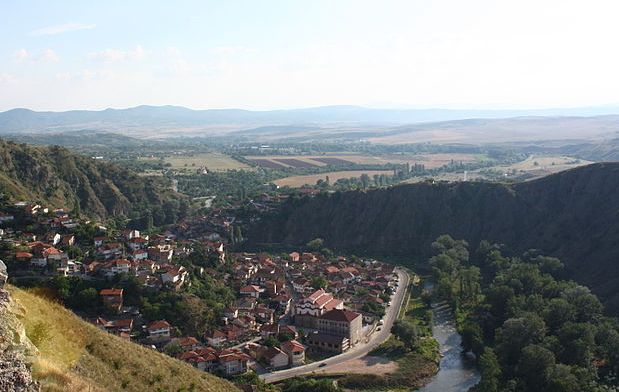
{"points": [[342, 323], [308, 310]]}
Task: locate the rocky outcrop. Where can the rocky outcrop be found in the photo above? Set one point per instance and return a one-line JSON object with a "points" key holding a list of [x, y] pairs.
{"points": [[3, 274], [16, 350]]}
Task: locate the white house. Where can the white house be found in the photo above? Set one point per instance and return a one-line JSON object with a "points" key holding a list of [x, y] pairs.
{"points": [[215, 338], [174, 275], [251, 290], [158, 331], [276, 358]]}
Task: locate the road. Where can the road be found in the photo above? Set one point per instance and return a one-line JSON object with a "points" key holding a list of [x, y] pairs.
{"points": [[360, 350]]}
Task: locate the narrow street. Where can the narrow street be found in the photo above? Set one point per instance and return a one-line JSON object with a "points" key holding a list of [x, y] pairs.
{"points": [[361, 349]]}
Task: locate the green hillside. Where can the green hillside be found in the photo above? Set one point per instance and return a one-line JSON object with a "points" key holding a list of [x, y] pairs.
{"points": [[56, 176], [573, 215]]}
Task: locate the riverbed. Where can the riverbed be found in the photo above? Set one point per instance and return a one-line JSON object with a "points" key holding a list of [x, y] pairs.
{"points": [[457, 373]]}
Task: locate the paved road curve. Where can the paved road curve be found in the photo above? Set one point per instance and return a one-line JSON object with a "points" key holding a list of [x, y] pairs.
{"points": [[361, 349]]}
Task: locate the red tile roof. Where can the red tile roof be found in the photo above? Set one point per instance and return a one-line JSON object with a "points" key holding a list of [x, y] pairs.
{"points": [[340, 315], [159, 324], [111, 292], [293, 346]]}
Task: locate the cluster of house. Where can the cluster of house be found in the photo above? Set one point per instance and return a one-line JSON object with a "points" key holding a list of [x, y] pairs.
{"points": [[276, 299], [149, 259], [285, 305]]}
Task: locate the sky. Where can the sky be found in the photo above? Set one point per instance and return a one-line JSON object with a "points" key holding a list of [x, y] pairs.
{"points": [[61, 55]]}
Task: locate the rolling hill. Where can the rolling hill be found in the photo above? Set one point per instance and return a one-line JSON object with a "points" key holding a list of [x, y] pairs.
{"points": [[73, 355], [573, 215], [56, 176], [348, 122]]}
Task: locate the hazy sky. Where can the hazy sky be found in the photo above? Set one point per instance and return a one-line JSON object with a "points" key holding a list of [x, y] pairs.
{"points": [[57, 55]]}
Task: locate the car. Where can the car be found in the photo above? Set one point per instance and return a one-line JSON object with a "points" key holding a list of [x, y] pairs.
{"points": [[322, 364]]}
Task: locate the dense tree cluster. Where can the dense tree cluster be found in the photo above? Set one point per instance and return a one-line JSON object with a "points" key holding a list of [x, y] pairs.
{"points": [[530, 329], [228, 186]]}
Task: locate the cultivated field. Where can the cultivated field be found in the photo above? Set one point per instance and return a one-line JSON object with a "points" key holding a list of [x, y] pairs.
{"points": [[212, 161], [342, 159], [551, 164], [299, 181], [533, 167]]}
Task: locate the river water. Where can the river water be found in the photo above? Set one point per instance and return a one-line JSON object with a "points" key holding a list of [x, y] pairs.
{"points": [[457, 373]]}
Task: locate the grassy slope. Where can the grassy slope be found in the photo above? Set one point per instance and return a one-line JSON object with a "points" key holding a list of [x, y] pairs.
{"points": [[76, 356]]}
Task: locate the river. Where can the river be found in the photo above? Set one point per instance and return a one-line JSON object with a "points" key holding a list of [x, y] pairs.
{"points": [[457, 373]]}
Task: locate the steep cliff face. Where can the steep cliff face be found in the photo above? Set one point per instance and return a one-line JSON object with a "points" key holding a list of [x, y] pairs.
{"points": [[573, 215], [55, 175], [16, 351]]}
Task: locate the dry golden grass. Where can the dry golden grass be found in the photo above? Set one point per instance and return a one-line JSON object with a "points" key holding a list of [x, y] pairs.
{"points": [[77, 356], [299, 181], [213, 161], [552, 163]]}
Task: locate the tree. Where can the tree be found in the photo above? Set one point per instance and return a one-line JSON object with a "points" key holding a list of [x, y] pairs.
{"points": [[490, 372], [172, 349], [318, 282], [271, 341], [589, 307], [558, 312], [561, 379], [470, 283], [315, 244], [472, 337], [150, 223], [534, 367], [285, 336], [407, 332], [87, 299], [238, 233], [456, 249], [517, 333], [365, 181]]}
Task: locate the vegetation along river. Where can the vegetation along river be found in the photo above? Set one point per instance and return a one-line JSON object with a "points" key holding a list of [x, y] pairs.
{"points": [[457, 372]]}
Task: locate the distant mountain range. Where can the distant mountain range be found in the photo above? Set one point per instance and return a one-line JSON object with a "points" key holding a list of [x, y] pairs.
{"points": [[162, 119]]}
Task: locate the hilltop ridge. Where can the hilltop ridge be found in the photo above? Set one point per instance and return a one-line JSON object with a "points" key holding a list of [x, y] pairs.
{"points": [[64, 179], [572, 215]]}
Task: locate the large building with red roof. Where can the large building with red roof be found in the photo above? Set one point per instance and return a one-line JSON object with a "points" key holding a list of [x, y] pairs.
{"points": [[344, 323], [310, 308]]}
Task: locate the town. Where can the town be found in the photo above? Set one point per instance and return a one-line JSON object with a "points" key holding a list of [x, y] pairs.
{"points": [[281, 310]]}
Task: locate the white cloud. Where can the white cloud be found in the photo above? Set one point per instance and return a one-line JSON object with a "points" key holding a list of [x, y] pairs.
{"points": [[114, 55], [62, 28], [48, 56], [22, 56]]}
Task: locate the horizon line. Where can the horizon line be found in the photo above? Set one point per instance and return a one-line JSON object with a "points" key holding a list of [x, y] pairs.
{"points": [[367, 107]]}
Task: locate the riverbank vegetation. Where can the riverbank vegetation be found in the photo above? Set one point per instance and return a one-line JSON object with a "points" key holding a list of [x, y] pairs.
{"points": [[530, 329], [411, 346]]}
